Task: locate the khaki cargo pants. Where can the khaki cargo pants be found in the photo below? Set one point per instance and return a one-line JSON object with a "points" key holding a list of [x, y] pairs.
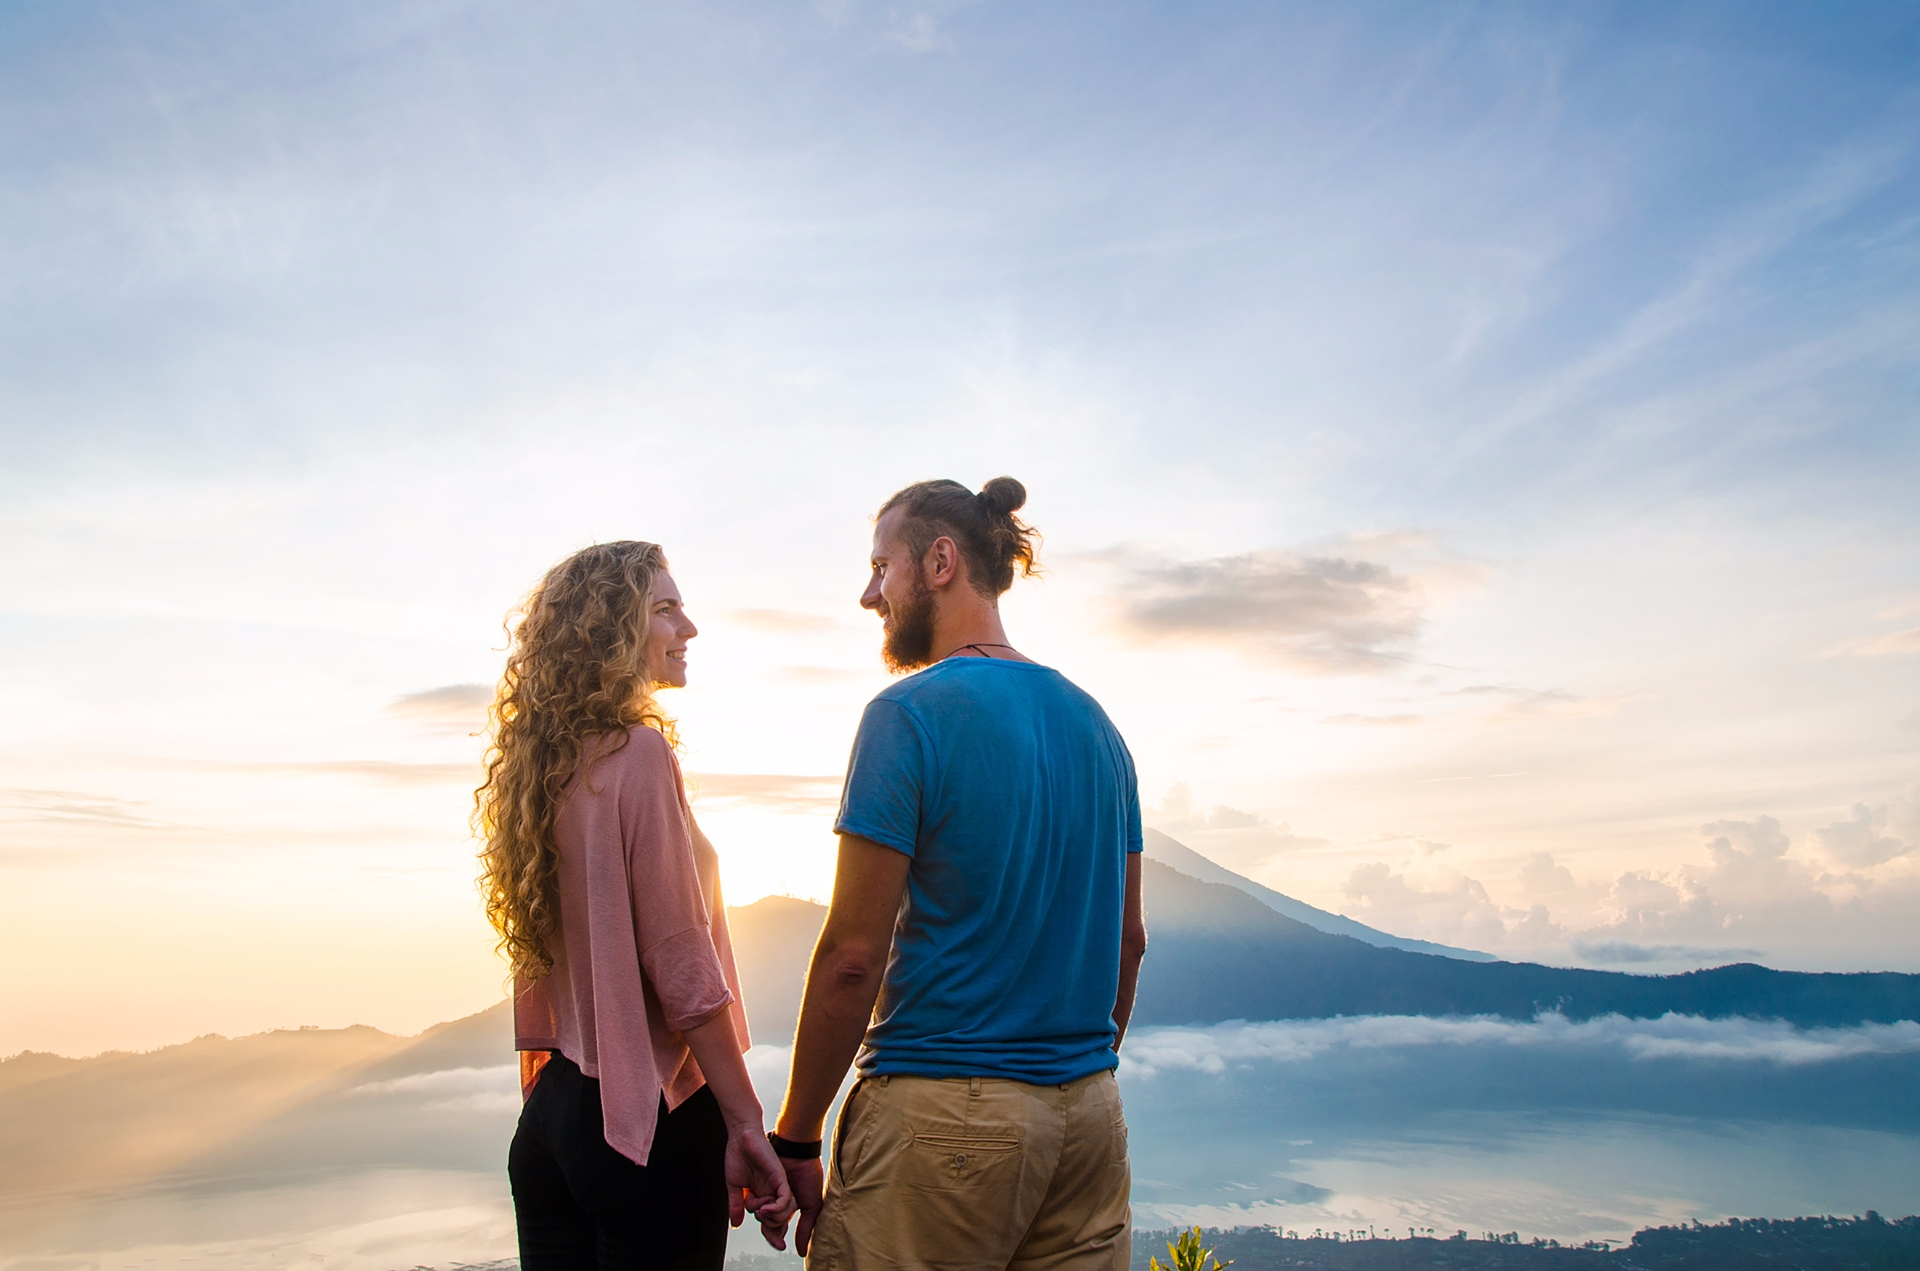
{"points": [[977, 1174]]}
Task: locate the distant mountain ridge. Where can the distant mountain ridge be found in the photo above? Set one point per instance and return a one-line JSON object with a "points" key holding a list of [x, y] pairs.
{"points": [[1170, 851], [1215, 953], [1223, 948]]}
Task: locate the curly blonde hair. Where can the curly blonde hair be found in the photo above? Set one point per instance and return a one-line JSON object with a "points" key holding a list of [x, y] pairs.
{"points": [[576, 671]]}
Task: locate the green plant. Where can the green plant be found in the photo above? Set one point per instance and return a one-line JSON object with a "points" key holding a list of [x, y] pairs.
{"points": [[1187, 1255]]}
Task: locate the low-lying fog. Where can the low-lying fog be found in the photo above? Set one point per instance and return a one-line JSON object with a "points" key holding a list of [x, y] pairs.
{"points": [[1573, 1131]]}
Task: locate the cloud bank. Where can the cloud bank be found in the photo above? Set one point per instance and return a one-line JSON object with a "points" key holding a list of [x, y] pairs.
{"points": [[1874, 834], [1154, 1051], [493, 1089], [1756, 895]]}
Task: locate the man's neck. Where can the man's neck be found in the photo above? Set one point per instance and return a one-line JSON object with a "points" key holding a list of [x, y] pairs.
{"points": [[975, 633]]}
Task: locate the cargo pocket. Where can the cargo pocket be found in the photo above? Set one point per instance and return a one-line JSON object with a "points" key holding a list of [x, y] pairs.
{"points": [[946, 1161]]}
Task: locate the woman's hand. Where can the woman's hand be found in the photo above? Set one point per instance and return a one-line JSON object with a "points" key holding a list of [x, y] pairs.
{"points": [[757, 1183], [755, 1180]]}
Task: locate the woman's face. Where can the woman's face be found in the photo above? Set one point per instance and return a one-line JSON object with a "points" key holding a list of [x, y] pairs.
{"points": [[667, 634]]}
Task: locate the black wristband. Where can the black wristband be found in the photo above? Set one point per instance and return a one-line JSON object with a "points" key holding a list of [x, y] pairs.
{"points": [[789, 1150]]}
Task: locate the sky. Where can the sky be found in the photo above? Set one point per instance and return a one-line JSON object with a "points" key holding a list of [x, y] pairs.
{"points": [[1475, 447]]}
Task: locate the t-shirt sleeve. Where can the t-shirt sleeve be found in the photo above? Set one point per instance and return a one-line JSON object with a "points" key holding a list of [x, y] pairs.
{"points": [[1135, 842], [886, 778]]}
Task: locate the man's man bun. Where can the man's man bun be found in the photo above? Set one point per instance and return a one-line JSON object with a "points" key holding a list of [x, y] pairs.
{"points": [[995, 542], [1003, 496]]}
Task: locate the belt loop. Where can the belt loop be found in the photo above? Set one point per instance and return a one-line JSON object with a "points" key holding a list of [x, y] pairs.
{"points": [[973, 1088]]}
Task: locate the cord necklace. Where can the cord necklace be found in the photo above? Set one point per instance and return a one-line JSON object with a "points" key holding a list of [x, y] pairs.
{"points": [[982, 648]]}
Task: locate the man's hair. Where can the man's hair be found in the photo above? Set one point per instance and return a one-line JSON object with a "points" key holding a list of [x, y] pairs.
{"points": [[992, 539]]}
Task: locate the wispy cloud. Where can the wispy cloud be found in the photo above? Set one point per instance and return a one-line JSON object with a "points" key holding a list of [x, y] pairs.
{"points": [[1153, 1051], [782, 620], [1521, 703], [386, 772], [918, 28], [827, 674], [784, 792], [1221, 827], [451, 707], [1320, 614], [1888, 645], [1624, 953], [1850, 172], [69, 807]]}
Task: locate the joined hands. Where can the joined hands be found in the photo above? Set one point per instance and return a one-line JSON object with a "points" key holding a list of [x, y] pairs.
{"points": [[757, 1184]]}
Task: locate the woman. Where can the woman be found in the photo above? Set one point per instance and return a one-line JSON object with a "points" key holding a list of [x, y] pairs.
{"points": [[640, 1138]]}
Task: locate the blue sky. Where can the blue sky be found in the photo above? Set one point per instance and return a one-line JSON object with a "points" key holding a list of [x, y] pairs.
{"points": [[1589, 330]]}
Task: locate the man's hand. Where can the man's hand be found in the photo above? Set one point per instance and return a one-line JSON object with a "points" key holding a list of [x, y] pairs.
{"points": [[756, 1182], [808, 1181]]}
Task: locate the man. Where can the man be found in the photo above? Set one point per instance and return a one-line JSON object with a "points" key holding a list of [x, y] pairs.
{"points": [[984, 939]]}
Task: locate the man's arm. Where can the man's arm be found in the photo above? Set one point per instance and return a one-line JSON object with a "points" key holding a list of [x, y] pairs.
{"points": [[842, 982], [1133, 947]]}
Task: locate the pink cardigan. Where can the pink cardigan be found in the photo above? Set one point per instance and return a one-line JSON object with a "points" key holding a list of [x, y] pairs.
{"points": [[644, 953]]}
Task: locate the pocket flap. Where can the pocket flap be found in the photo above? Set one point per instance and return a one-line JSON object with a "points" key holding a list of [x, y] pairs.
{"points": [[962, 1143]]}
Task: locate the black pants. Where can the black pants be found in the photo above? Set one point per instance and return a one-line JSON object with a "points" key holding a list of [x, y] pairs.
{"points": [[581, 1206]]}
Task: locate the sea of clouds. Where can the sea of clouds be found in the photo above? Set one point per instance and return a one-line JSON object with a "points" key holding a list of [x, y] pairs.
{"points": [[1548, 1126], [1153, 1051], [493, 1089]]}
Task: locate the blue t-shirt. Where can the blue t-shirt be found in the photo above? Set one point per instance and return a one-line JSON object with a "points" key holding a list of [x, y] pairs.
{"points": [[1016, 799]]}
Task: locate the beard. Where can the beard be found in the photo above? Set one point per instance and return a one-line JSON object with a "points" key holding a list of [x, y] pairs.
{"points": [[909, 630]]}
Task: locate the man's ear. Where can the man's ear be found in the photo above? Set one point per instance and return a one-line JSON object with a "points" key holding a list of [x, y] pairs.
{"points": [[942, 562]]}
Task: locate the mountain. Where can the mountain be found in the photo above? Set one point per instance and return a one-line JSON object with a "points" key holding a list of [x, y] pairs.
{"points": [[1168, 851], [772, 942], [206, 1107], [1215, 954], [1223, 950]]}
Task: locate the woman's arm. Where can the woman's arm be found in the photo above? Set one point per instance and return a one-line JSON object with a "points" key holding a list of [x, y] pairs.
{"points": [[755, 1179], [678, 959]]}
